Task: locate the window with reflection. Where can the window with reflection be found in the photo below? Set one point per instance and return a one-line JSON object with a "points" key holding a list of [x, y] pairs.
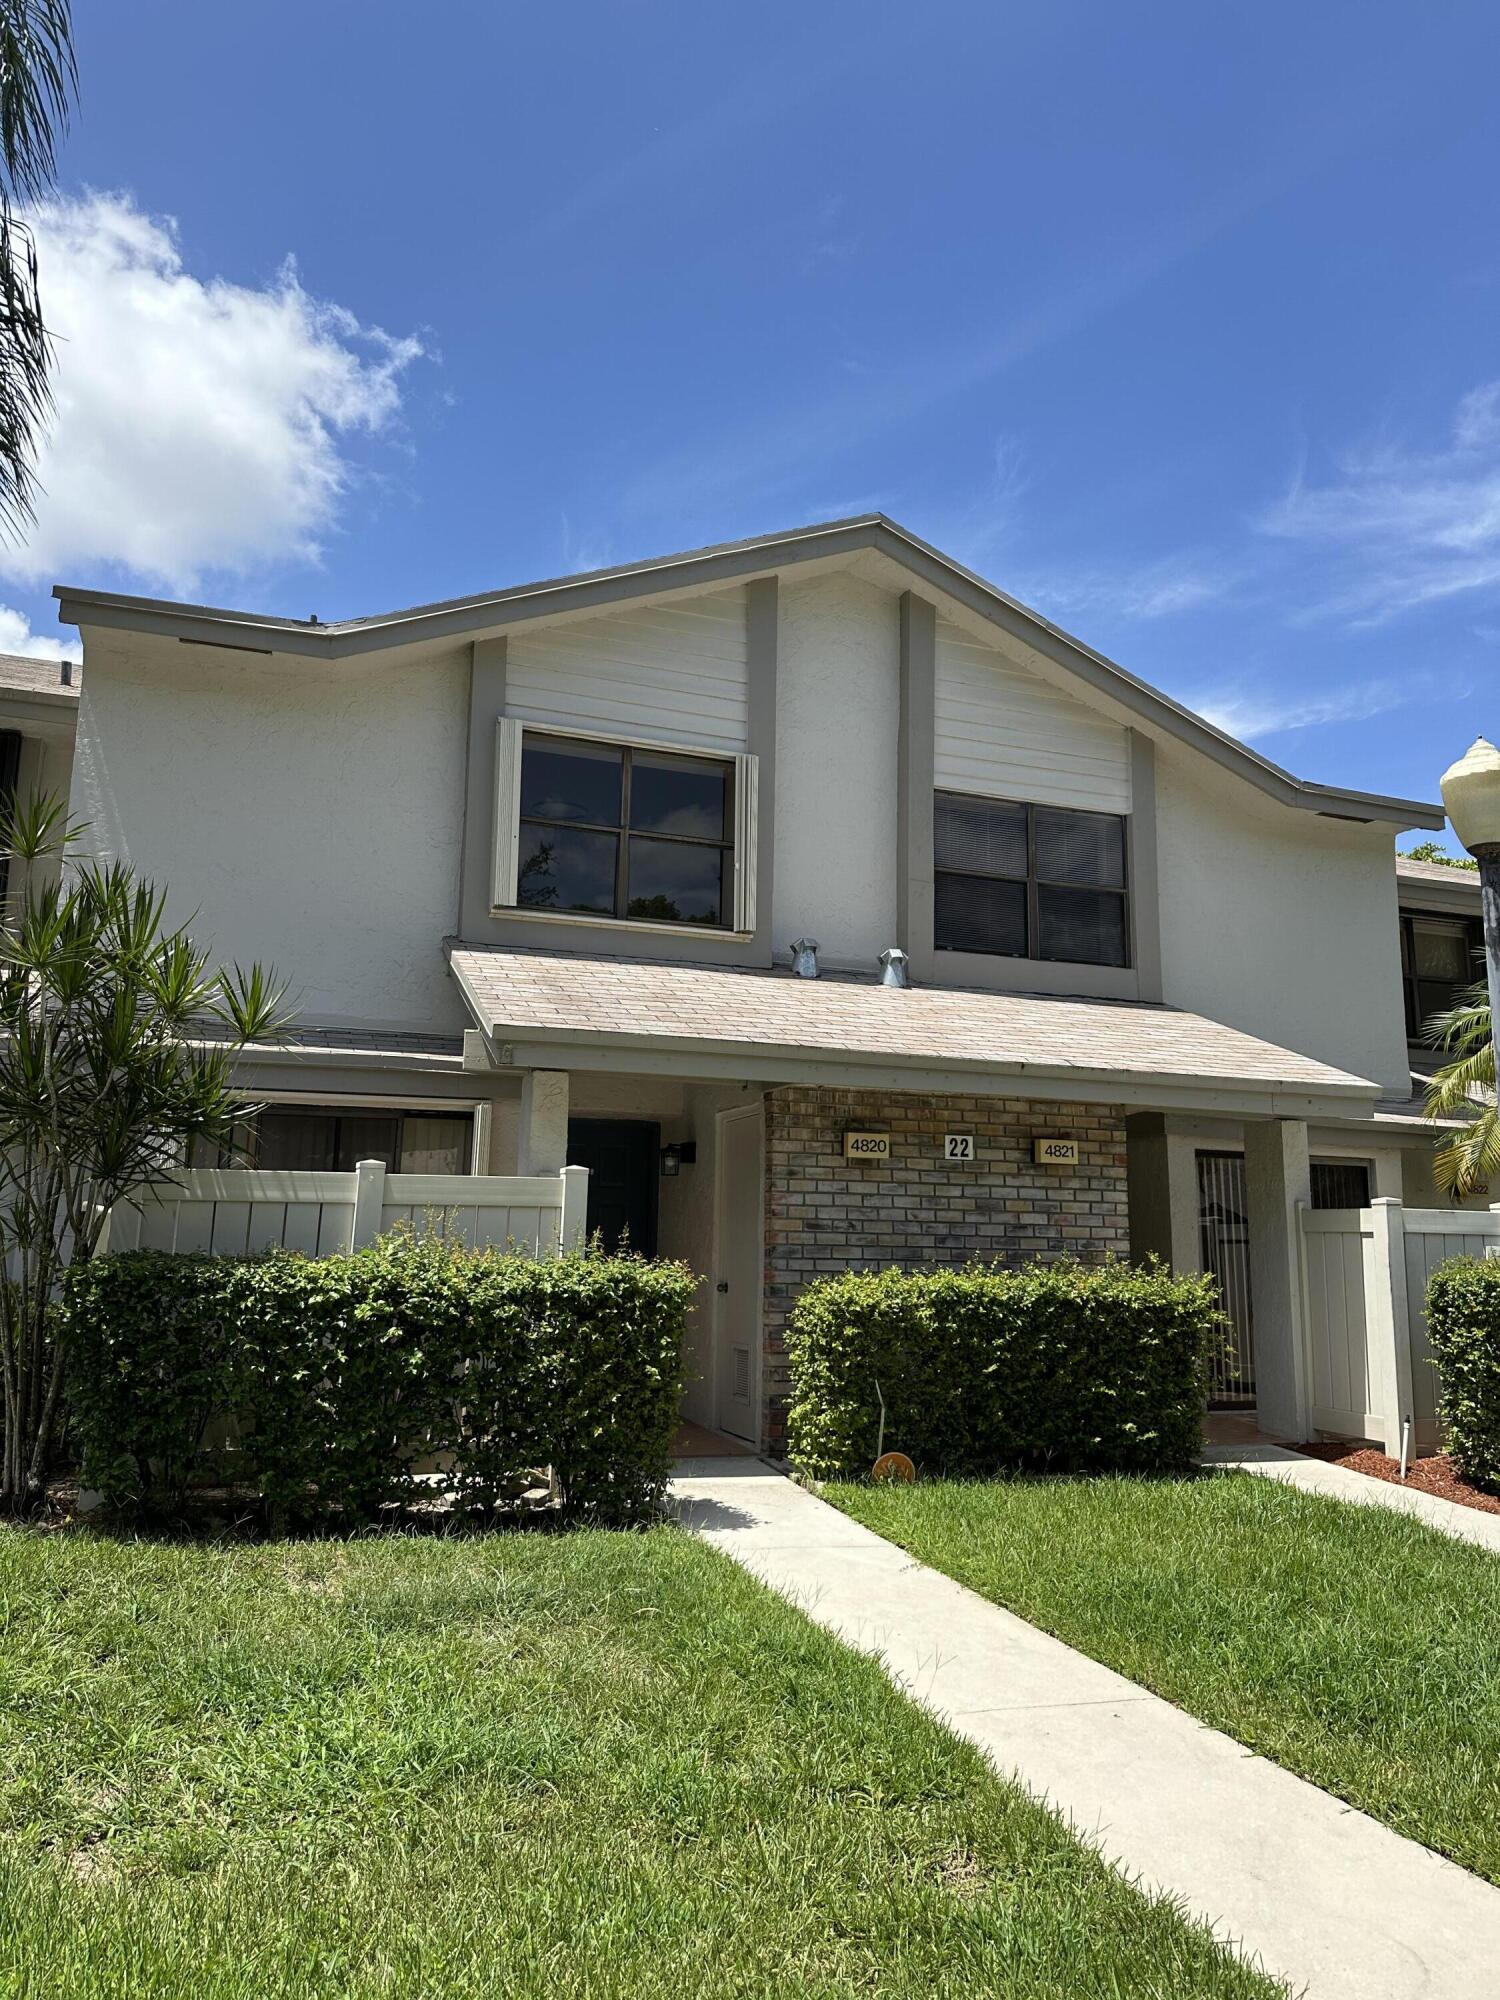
{"points": [[1015, 880], [612, 831], [1440, 957], [334, 1138]]}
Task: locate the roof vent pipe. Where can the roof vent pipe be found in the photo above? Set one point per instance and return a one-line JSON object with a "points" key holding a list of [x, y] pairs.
{"points": [[805, 958], [67, 673], [893, 967]]}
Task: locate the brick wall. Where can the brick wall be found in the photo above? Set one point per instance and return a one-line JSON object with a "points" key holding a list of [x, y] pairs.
{"points": [[825, 1215]]}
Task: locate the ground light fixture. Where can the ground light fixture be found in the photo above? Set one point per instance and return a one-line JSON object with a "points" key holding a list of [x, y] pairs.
{"points": [[1471, 798]]}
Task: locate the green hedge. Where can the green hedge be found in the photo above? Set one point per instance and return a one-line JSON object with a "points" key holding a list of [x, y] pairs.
{"points": [[340, 1376], [1463, 1326], [1063, 1367]]}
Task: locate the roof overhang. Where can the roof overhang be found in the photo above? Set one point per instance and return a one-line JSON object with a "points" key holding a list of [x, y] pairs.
{"points": [[498, 611], [549, 1010], [1450, 891]]}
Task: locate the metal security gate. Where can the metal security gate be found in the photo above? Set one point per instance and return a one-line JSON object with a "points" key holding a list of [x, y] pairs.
{"points": [[1224, 1234]]}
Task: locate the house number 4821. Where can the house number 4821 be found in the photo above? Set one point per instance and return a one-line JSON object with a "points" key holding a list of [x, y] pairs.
{"points": [[958, 1145]]}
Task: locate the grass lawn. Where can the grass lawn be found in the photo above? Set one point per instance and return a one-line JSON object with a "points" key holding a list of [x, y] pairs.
{"points": [[583, 1765], [1347, 1643]]}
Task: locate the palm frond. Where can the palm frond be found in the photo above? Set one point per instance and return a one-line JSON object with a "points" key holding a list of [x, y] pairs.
{"points": [[1465, 1088], [38, 87]]}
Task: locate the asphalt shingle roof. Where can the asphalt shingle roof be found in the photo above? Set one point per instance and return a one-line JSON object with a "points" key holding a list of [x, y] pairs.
{"points": [[23, 675], [566, 996], [1408, 870]]}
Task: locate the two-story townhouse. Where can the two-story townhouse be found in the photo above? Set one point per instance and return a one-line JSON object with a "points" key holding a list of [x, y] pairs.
{"points": [[829, 905]]}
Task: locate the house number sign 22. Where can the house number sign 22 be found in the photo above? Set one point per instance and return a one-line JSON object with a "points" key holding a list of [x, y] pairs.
{"points": [[958, 1145]]}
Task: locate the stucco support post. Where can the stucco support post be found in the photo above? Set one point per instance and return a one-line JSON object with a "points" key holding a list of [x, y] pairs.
{"points": [[542, 1143], [915, 766], [484, 1126], [1387, 1327], [1163, 1182], [1278, 1180]]}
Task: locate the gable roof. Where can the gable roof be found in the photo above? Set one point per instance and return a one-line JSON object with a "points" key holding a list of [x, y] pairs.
{"points": [[495, 611]]}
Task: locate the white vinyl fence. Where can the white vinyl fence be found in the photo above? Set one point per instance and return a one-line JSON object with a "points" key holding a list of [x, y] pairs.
{"points": [[1364, 1279], [238, 1214]]}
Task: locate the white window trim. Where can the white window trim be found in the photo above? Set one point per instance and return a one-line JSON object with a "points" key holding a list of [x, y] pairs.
{"points": [[510, 735]]}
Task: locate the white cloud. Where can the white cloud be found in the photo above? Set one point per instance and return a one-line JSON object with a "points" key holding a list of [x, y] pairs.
{"points": [[200, 425], [1397, 526], [1251, 714], [1158, 589], [16, 636]]}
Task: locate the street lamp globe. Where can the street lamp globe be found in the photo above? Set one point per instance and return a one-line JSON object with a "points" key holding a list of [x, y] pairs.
{"points": [[1471, 796]]}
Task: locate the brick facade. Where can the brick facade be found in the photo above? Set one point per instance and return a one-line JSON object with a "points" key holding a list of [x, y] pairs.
{"points": [[825, 1214]]}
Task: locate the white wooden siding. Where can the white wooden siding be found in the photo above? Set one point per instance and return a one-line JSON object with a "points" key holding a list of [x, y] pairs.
{"points": [[1004, 733], [676, 673]]}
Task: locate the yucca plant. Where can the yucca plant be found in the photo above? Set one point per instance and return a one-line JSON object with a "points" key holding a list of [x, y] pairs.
{"points": [[1467, 1160], [117, 1044]]}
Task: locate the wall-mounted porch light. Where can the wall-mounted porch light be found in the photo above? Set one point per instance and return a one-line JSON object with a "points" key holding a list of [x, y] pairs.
{"points": [[675, 1157]]}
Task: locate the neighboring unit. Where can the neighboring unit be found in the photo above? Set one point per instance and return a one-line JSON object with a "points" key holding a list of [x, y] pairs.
{"points": [[38, 721], [1091, 977]]}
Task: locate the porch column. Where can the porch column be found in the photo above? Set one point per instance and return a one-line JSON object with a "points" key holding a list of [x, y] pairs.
{"points": [[1162, 1177], [1278, 1177], [542, 1141]]}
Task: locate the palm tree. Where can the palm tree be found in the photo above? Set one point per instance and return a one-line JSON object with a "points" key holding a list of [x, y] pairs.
{"points": [[38, 85], [1465, 1088]]}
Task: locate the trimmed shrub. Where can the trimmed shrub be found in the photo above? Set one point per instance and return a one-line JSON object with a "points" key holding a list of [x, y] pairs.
{"points": [[1063, 1367], [339, 1377], [1463, 1327]]}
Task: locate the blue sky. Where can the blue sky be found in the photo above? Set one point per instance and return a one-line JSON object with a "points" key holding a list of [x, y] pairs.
{"points": [[1179, 323]]}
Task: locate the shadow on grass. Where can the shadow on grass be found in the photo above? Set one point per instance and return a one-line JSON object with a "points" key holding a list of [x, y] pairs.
{"points": [[225, 1517]]}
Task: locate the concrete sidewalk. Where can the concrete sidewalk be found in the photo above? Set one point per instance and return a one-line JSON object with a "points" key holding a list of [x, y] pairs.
{"points": [[1315, 1475], [1323, 1896]]}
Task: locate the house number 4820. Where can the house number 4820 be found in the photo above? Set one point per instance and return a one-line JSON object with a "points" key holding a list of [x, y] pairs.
{"points": [[958, 1145]]}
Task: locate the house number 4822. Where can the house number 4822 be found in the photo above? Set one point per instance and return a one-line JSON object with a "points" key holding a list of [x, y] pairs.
{"points": [[958, 1145]]}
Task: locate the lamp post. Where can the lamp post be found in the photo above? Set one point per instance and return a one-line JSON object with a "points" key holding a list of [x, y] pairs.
{"points": [[1471, 797]]}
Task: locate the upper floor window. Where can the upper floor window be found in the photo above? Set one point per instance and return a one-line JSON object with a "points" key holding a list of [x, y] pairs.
{"points": [[1440, 956], [1028, 881], [611, 830]]}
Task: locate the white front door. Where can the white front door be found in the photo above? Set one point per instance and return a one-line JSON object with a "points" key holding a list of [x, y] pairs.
{"points": [[738, 1237]]}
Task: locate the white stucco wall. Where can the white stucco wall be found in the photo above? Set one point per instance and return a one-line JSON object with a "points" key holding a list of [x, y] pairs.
{"points": [[837, 705], [1279, 922], [296, 812]]}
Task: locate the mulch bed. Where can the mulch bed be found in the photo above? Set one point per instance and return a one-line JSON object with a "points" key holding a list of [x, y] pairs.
{"points": [[1437, 1474]]}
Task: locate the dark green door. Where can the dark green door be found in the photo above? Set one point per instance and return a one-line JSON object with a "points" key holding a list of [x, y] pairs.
{"points": [[621, 1156]]}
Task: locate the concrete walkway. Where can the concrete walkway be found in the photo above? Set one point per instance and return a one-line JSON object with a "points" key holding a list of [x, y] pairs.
{"points": [[1326, 1898], [1314, 1475]]}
